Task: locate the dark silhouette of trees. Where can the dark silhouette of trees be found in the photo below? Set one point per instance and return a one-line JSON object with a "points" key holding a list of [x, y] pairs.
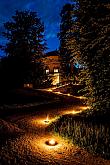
{"points": [[68, 36], [94, 18], [25, 46]]}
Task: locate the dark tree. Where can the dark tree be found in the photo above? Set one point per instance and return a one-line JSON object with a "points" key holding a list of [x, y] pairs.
{"points": [[25, 45], [94, 18], [68, 36]]}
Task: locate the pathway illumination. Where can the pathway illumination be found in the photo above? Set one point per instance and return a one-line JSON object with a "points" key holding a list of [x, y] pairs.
{"points": [[47, 120], [51, 142]]}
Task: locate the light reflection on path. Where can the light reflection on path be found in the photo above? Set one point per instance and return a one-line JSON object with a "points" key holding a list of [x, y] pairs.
{"points": [[63, 94], [31, 146]]}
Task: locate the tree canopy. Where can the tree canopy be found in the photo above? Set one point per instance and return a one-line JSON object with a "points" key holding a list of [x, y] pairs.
{"points": [[26, 44], [68, 35], [94, 19]]}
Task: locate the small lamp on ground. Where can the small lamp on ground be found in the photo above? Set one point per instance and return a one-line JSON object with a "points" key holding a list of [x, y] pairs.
{"points": [[47, 120], [51, 142]]}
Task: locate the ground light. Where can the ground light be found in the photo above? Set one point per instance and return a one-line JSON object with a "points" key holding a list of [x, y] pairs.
{"points": [[81, 97], [85, 107], [47, 120], [48, 147], [51, 142], [42, 121], [71, 112], [58, 93], [78, 110], [50, 90]]}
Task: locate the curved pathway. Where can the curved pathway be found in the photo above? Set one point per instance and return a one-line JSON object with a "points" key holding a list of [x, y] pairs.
{"points": [[30, 147]]}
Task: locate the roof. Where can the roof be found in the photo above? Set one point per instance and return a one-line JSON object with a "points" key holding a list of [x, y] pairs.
{"points": [[52, 53]]}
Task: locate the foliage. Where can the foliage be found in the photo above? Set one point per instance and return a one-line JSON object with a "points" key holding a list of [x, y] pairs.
{"points": [[68, 35], [94, 18], [25, 45]]}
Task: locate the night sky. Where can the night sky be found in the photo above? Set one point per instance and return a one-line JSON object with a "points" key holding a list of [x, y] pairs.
{"points": [[48, 11]]}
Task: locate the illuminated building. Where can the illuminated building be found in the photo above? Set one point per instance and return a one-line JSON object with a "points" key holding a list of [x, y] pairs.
{"points": [[52, 62]]}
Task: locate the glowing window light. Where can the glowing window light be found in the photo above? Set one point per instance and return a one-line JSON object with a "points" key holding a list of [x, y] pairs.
{"points": [[47, 71], [55, 70]]}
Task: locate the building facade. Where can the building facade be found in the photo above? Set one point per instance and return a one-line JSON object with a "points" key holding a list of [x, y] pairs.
{"points": [[53, 66]]}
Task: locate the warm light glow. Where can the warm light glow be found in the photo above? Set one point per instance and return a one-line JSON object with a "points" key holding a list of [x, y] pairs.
{"points": [[64, 153], [75, 112], [51, 142], [42, 121], [50, 90], [80, 97], [47, 120], [28, 85], [85, 107], [71, 112], [55, 70], [58, 92], [68, 94], [47, 71], [46, 146], [55, 79]]}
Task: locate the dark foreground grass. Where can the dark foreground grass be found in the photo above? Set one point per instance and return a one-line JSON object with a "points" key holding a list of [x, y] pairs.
{"points": [[20, 101], [91, 133], [22, 96]]}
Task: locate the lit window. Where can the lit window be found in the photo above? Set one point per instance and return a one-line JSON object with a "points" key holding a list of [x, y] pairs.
{"points": [[55, 70], [28, 85], [47, 71]]}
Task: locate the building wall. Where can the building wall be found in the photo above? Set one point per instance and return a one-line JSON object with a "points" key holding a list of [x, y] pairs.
{"points": [[52, 65]]}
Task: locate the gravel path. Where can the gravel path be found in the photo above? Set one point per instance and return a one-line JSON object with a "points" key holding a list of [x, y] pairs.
{"points": [[30, 148]]}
